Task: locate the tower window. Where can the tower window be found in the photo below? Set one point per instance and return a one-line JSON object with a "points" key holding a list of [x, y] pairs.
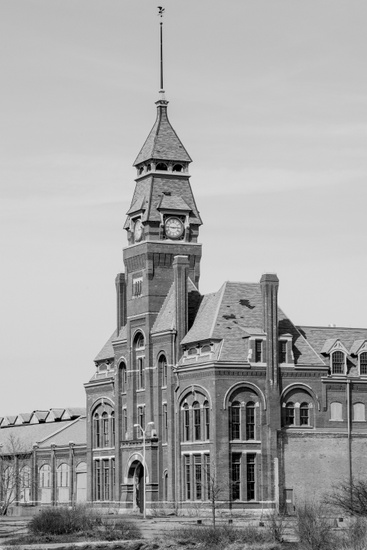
{"points": [[137, 287], [161, 166], [177, 168], [235, 414], [197, 422], [207, 419]]}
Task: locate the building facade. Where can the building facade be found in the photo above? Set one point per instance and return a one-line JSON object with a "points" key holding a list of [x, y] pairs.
{"points": [[198, 393]]}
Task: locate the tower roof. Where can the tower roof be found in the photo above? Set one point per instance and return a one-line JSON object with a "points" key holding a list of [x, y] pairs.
{"points": [[162, 142]]}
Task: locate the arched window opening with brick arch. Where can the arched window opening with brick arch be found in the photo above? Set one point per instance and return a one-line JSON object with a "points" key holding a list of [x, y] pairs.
{"points": [[103, 426]]}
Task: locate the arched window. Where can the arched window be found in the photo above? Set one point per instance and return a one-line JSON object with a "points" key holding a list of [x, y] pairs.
{"points": [[124, 423], [359, 412], [186, 422], [104, 426], [289, 414], [25, 477], [165, 485], [162, 369], [304, 414], [337, 362], [45, 476], [161, 166], [235, 420], [250, 420], [363, 363], [196, 421], [207, 420], [138, 350], [336, 411], [113, 424], [63, 475], [177, 168], [123, 377], [97, 430]]}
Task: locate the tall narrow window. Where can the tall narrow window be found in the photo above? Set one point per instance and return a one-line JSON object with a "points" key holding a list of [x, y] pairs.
{"points": [[250, 420], [162, 365], [123, 375], [236, 476], [208, 476], [165, 423], [165, 485], [106, 479], [188, 477], [207, 419], [141, 373], [304, 414], [186, 422], [258, 351], [141, 418], [198, 483], [363, 363], [113, 429], [45, 476], [289, 414], [235, 415], [97, 480], [251, 460], [337, 362], [97, 430], [124, 423], [105, 430], [197, 422], [63, 475], [359, 412], [282, 351]]}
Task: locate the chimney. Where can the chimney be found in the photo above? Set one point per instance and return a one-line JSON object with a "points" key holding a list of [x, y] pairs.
{"points": [[121, 300], [269, 284], [181, 270]]}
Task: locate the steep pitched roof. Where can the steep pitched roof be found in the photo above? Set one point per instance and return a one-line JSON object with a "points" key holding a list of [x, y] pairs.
{"points": [[74, 431], [233, 314], [173, 203], [166, 318], [162, 142], [107, 350]]}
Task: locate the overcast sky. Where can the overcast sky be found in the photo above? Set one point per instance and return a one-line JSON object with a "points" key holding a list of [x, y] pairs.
{"points": [[270, 100]]}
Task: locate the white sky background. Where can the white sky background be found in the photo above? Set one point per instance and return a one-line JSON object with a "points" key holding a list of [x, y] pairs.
{"points": [[270, 100]]}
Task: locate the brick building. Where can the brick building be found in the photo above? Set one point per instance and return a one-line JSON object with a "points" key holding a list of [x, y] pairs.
{"points": [[221, 388], [43, 459]]}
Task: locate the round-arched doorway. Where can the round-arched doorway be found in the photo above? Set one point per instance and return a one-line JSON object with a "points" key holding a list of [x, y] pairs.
{"points": [[136, 477]]}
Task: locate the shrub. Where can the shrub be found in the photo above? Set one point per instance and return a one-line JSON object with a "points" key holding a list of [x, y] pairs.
{"points": [[62, 521], [355, 538], [276, 526], [219, 536], [119, 529], [313, 528]]}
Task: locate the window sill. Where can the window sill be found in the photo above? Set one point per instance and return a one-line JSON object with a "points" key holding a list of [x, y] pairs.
{"points": [[250, 441]]}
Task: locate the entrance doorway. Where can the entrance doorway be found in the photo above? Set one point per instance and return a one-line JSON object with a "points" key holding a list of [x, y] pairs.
{"points": [[136, 477]]}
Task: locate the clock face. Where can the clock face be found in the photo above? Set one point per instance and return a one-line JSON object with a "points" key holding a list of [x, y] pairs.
{"points": [[174, 228], [138, 230]]}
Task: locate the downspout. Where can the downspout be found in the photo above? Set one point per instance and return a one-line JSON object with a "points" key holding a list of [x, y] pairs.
{"points": [[349, 422]]}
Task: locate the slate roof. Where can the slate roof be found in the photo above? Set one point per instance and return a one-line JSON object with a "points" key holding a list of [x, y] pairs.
{"points": [[317, 336], [166, 318], [29, 434], [173, 203], [150, 192], [162, 142], [233, 314], [107, 351], [75, 431]]}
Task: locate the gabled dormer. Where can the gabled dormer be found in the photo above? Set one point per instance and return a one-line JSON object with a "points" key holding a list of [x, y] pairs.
{"points": [[359, 350], [338, 354]]}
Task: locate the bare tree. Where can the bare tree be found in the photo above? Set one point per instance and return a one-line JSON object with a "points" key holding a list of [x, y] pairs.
{"points": [[349, 497], [15, 474], [216, 489]]}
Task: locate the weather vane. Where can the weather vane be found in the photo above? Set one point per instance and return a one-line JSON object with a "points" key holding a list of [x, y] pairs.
{"points": [[161, 11]]}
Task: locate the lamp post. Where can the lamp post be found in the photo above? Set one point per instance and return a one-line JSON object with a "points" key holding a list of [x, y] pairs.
{"points": [[145, 466]]}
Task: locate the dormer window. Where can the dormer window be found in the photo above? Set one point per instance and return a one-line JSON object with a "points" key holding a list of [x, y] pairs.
{"points": [[177, 168], [161, 166], [363, 363], [258, 351], [282, 351], [337, 362]]}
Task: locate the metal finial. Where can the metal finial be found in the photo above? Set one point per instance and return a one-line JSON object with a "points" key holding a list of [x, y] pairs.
{"points": [[161, 11]]}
